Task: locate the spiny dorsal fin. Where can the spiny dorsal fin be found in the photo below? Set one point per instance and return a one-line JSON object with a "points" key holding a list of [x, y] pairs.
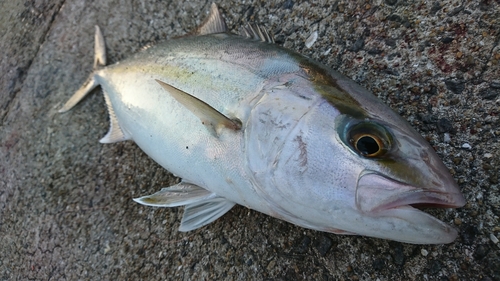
{"points": [[213, 120], [256, 32], [115, 132], [204, 212], [214, 23], [176, 195]]}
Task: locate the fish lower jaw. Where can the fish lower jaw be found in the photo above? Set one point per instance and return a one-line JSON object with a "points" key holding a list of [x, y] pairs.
{"points": [[411, 225]]}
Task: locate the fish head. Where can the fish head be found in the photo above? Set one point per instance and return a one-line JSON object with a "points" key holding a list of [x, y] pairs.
{"points": [[360, 168], [398, 166], [398, 172], [401, 171]]}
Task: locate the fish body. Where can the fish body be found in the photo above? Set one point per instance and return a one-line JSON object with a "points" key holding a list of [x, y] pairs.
{"points": [[244, 121]]}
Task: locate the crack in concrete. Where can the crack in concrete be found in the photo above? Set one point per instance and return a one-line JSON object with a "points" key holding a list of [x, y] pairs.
{"points": [[485, 67], [9, 104]]}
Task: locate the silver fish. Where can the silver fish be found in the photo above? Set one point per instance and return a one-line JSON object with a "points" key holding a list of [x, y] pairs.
{"points": [[244, 121]]}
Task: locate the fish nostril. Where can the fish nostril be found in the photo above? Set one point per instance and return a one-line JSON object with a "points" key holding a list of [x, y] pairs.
{"points": [[436, 184], [425, 157]]}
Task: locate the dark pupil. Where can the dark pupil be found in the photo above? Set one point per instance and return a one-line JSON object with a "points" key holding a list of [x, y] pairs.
{"points": [[367, 145]]}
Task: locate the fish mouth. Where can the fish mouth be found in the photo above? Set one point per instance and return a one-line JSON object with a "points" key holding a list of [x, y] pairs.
{"points": [[376, 192], [382, 197]]}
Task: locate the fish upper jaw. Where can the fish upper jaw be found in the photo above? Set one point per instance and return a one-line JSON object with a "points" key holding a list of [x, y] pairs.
{"points": [[376, 192]]}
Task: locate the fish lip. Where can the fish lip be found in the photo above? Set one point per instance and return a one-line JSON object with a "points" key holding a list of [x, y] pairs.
{"points": [[421, 198], [376, 192]]}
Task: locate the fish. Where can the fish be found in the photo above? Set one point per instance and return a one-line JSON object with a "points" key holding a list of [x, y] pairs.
{"points": [[242, 120]]}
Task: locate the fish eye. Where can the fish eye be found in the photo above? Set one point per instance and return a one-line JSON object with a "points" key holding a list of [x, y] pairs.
{"points": [[369, 139], [367, 145]]}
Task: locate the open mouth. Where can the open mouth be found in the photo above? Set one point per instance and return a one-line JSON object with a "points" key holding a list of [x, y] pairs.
{"points": [[383, 198]]}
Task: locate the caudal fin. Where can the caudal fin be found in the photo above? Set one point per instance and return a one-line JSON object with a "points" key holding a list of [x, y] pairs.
{"points": [[90, 83], [99, 49]]}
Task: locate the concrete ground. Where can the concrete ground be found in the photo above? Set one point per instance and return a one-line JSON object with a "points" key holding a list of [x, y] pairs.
{"points": [[66, 209]]}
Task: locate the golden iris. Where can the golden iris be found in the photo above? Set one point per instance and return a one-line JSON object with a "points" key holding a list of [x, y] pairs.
{"points": [[369, 139]]}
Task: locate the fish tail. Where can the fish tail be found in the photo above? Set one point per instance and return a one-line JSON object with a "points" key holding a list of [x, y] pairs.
{"points": [[99, 49], [90, 83]]}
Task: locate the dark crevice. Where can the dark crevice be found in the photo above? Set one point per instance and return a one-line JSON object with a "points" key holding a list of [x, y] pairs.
{"points": [[9, 103], [484, 68]]}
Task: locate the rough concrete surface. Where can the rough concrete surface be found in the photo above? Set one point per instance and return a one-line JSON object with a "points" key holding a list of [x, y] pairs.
{"points": [[66, 209]]}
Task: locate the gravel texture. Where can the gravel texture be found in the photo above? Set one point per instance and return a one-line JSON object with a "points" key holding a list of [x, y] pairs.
{"points": [[66, 209]]}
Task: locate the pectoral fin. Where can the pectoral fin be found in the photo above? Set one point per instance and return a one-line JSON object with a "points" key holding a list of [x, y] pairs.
{"points": [[177, 195], [204, 212], [213, 120]]}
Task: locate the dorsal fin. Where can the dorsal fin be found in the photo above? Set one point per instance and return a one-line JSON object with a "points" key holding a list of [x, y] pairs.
{"points": [[214, 23], [213, 120], [256, 32], [115, 132]]}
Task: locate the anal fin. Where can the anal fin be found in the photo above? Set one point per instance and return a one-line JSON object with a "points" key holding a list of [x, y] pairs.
{"points": [[204, 212], [213, 120], [177, 195], [115, 133]]}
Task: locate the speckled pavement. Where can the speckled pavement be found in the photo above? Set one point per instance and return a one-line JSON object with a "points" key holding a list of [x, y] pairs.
{"points": [[66, 209]]}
